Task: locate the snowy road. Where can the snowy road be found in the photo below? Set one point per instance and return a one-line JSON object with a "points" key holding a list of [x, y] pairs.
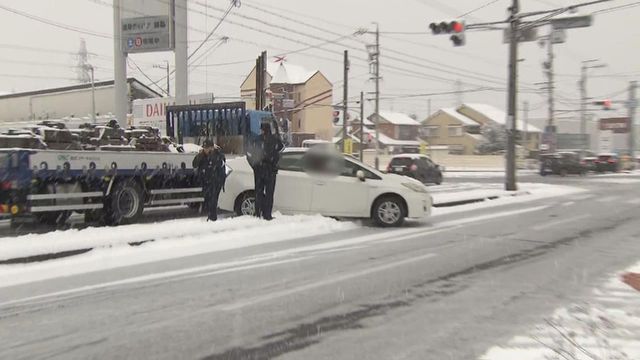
{"points": [[449, 289]]}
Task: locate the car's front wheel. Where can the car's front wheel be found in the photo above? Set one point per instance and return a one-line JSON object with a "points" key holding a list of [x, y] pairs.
{"points": [[246, 204], [388, 211]]}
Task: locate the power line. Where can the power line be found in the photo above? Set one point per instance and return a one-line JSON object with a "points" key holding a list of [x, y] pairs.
{"points": [[479, 8], [162, 89], [617, 8], [234, 3]]}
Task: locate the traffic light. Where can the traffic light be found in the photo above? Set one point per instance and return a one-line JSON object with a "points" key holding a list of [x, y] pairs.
{"points": [[336, 117], [606, 104], [455, 28]]}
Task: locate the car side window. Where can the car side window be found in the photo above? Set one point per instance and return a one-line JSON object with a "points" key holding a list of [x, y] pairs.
{"points": [[426, 162], [350, 169], [291, 162]]}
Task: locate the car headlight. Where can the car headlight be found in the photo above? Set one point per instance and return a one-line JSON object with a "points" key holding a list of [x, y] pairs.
{"points": [[415, 187]]}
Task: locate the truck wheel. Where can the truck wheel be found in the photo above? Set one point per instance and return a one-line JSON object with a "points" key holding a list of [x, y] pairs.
{"points": [[246, 204], [388, 211], [125, 204]]}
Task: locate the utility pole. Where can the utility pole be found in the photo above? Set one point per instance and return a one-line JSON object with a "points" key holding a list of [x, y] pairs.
{"points": [[525, 133], [121, 97], [584, 74], [376, 64], [632, 105], [510, 184], [345, 98], [550, 75], [181, 53], [168, 69], [361, 147], [93, 93]]}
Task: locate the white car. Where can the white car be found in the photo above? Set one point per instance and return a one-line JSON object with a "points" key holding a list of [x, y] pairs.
{"points": [[330, 184]]}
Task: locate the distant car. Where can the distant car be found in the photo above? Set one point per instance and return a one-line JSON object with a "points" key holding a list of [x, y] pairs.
{"points": [[608, 162], [563, 164], [419, 167], [319, 181], [590, 162]]}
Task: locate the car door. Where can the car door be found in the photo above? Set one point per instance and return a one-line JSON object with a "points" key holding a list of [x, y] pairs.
{"points": [[341, 194], [294, 186], [429, 170]]}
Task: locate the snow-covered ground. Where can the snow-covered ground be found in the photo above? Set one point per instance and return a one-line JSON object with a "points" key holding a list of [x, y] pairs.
{"points": [[605, 326], [481, 173], [172, 239]]}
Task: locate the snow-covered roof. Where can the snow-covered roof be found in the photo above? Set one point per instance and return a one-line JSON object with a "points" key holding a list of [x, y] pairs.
{"points": [[465, 120], [398, 118], [285, 73], [498, 116], [478, 137], [385, 140]]}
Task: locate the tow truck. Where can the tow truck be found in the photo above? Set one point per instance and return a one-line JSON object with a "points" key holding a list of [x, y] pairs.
{"points": [[111, 174]]}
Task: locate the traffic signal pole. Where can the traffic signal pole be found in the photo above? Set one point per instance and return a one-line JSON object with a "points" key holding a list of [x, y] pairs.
{"points": [[345, 99], [510, 183]]}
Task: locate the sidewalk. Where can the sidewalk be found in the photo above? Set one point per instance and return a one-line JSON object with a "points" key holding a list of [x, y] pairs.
{"points": [[604, 326]]}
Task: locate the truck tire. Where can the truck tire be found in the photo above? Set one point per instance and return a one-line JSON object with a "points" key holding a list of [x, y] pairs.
{"points": [[245, 204], [125, 203], [388, 211]]}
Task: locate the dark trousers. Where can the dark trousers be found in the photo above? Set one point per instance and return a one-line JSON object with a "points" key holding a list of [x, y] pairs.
{"points": [[265, 185], [211, 194]]}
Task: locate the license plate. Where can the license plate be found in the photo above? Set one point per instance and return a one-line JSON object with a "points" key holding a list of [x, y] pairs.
{"points": [[398, 168]]}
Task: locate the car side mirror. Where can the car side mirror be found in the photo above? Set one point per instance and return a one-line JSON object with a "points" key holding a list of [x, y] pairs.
{"points": [[360, 175]]}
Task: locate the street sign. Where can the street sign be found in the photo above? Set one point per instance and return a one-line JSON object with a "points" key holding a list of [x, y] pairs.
{"points": [[288, 103], [348, 146], [145, 34], [606, 141], [559, 36], [528, 34], [618, 125], [572, 22]]}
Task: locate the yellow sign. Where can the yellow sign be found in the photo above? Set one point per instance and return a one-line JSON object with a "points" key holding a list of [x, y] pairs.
{"points": [[423, 148], [348, 146]]}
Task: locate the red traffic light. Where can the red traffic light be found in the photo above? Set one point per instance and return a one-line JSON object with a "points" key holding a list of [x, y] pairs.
{"points": [[457, 27]]}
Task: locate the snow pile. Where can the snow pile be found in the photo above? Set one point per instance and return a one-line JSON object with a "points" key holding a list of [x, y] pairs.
{"points": [[527, 192], [190, 236], [603, 327]]}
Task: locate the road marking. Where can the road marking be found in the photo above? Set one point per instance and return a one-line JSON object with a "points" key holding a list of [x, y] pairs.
{"points": [[634, 201], [259, 299], [607, 199], [250, 263], [560, 222], [582, 197], [181, 274], [568, 203]]}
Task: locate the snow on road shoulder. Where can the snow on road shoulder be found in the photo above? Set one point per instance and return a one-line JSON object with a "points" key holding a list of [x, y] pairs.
{"points": [[527, 192], [606, 326], [172, 239]]}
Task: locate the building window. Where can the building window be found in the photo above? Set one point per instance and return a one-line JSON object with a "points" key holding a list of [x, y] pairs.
{"points": [[431, 131], [455, 130]]}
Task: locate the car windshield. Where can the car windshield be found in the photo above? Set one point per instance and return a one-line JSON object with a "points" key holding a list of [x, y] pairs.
{"points": [[335, 179]]}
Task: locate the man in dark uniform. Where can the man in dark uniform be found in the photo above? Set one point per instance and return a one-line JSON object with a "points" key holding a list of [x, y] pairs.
{"points": [[210, 168], [263, 156]]}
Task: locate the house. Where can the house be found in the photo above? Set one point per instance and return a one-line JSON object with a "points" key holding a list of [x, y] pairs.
{"points": [[302, 96], [74, 100], [485, 114], [449, 127], [397, 132]]}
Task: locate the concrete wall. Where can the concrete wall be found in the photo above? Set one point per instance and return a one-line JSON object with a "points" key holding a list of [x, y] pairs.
{"points": [[57, 105]]}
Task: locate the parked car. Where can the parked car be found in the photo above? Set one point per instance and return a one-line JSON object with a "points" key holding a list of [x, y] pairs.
{"points": [[563, 164], [320, 181], [590, 162], [417, 166], [608, 162]]}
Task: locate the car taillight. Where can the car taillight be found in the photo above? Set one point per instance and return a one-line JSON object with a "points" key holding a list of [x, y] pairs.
{"points": [[414, 167], [611, 161], [6, 185], [596, 161]]}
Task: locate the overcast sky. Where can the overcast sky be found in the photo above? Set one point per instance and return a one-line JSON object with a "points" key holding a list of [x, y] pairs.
{"points": [[411, 63]]}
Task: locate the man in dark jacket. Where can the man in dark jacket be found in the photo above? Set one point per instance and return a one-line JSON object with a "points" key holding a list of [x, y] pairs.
{"points": [[210, 168], [263, 156]]}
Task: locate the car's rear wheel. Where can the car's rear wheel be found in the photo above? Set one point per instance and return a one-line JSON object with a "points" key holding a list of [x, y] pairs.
{"points": [[246, 204], [388, 211]]}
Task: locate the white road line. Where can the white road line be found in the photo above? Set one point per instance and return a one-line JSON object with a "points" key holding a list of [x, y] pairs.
{"points": [[634, 201], [582, 197], [254, 262], [607, 199], [560, 222], [259, 299], [568, 203]]}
